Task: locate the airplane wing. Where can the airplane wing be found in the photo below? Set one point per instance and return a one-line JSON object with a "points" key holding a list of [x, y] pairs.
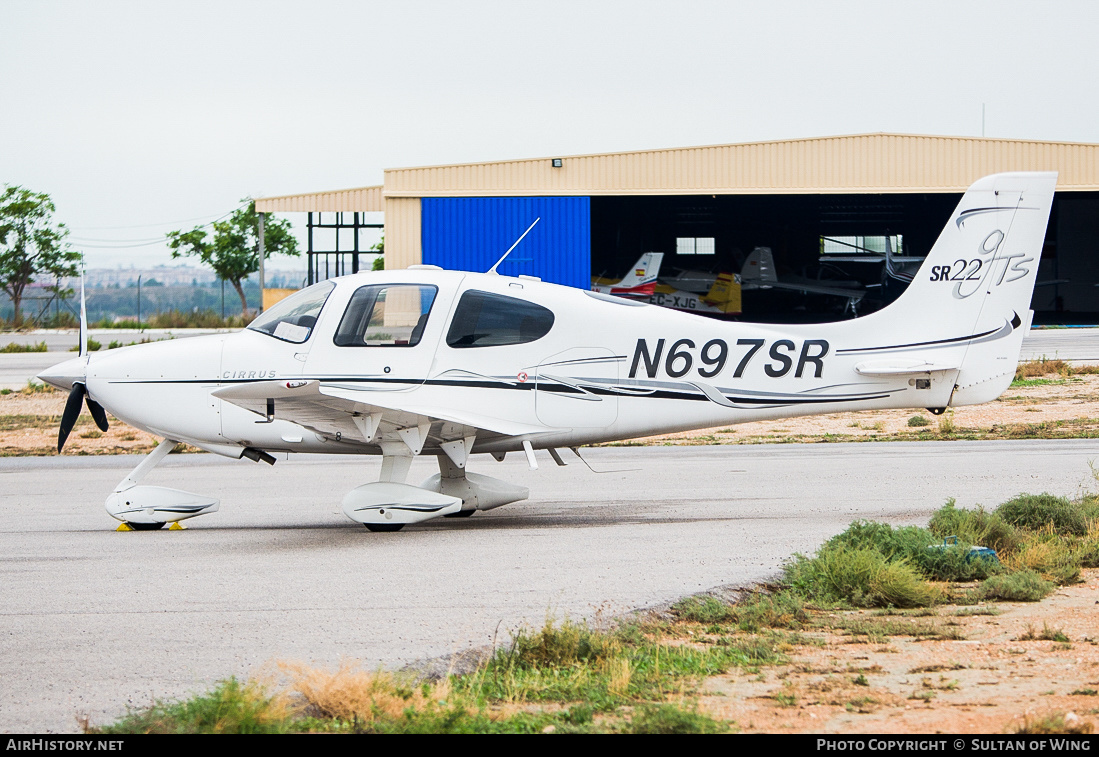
{"points": [[357, 415], [813, 288]]}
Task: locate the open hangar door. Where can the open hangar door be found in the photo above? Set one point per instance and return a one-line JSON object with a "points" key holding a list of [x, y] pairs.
{"points": [[831, 238]]}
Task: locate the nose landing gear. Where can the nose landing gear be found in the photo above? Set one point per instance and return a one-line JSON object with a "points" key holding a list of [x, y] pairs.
{"points": [[148, 508]]}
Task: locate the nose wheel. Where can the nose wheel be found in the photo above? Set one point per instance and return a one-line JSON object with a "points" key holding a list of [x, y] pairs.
{"points": [[145, 526], [384, 527]]}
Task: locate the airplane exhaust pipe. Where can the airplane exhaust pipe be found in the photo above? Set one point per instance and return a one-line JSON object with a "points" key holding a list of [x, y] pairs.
{"points": [[258, 455]]}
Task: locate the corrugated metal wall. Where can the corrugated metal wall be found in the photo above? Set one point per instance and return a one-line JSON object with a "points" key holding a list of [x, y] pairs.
{"points": [[402, 232], [364, 199], [471, 233], [884, 163]]}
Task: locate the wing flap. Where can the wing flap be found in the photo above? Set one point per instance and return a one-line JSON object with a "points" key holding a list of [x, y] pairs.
{"points": [[329, 409]]}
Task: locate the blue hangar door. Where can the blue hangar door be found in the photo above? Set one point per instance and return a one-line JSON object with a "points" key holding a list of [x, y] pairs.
{"points": [[471, 233]]}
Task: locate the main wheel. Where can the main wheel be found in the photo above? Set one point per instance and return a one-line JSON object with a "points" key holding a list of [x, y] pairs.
{"points": [[460, 514], [384, 527], [145, 526]]}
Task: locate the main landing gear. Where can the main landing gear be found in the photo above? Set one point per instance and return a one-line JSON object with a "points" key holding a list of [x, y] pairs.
{"points": [[389, 504]]}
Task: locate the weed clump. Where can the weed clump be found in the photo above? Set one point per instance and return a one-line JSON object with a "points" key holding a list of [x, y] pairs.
{"points": [[1020, 586], [231, 707], [13, 347], [919, 547], [974, 527], [1035, 511], [1055, 722], [569, 643], [863, 577], [1042, 367], [354, 695], [669, 718], [704, 609], [784, 609]]}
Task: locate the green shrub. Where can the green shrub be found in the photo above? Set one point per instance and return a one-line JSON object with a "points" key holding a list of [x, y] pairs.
{"points": [[566, 644], [1021, 586], [863, 577], [920, 548], [918, 420], [1055, 557], [974, 527], [668, 718], [1087, 551], [784, 609], [1035, 511], [15, 347], [703, 609], [231, 707]]}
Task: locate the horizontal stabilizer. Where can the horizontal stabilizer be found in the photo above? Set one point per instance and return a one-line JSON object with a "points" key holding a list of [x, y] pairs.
{"points": [[902, 367]]}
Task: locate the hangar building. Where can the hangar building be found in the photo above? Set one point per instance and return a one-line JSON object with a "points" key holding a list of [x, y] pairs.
{"points": [[824, 206]]}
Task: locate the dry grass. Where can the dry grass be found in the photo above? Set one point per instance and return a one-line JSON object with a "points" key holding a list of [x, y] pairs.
{"points": [[353, 694], [1042, 367], [1054, 723]]}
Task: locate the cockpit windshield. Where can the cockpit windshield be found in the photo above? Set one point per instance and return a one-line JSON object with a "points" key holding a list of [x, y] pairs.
{"points": [[293, 319]]}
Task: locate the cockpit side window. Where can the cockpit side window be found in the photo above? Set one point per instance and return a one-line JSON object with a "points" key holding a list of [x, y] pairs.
{"points": [[483, 319], [386, 315], [292, 319]]}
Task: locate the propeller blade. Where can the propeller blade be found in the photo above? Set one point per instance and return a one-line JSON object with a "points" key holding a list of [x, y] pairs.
{"points": [[99, 415], [68, 418]]}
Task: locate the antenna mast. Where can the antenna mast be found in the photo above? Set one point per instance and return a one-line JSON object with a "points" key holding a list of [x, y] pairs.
{"points": [[517, 241]]}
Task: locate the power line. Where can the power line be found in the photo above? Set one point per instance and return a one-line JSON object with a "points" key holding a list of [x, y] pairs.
{"points": [[120, 246], [147, 241], [147, 225]]}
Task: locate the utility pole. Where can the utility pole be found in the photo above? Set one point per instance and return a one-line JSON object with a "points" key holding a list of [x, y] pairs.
{"points": [[139, 300]]}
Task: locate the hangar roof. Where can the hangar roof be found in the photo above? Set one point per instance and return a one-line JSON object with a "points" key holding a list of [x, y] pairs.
{"points": [[855, 164], [363, 199]]}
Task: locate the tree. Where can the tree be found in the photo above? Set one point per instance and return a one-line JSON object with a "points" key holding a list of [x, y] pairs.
{"points": [[379, 262], [31, 244], [233, 253]]}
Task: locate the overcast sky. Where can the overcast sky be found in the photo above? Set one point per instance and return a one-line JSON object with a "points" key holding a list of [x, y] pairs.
{"points": [[155, 116]]}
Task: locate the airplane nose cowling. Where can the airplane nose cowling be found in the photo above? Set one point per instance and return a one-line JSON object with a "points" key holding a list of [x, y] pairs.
{"points": [[65, 374], [161, 387]]}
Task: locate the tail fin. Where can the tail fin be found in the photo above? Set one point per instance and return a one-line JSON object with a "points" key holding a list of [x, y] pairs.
{"points": [[759, 267], [644, 271], [969, 303], [725, 294], [889, 267]]}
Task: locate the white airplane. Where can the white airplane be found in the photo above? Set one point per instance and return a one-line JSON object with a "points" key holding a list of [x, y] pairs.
{"points": [[450, 364]]}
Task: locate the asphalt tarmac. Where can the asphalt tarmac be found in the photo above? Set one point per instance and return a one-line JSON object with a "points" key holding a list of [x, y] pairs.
{"points": [[94, 620]]}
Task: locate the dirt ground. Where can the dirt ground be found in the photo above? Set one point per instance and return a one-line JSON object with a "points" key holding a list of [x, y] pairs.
{"points": [[995, 675]]}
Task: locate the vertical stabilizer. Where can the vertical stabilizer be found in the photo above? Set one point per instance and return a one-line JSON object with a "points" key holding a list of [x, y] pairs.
{"points": [[644, 271], [970, 299], [759, 267]]}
